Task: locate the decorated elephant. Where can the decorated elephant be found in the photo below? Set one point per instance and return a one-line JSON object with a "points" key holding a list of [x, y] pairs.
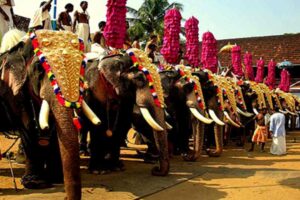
{"points": [[47, 69], [132, 82]]}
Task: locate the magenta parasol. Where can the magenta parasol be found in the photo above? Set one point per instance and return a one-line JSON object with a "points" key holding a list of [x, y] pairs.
{"points": [[249, 73], [192, 41], [115, 29], [260, 71], [270, 81], [236, 61], [285, 81], [209, 52], [171, 43]]}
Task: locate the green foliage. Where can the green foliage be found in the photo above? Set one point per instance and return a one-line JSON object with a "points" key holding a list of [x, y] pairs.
{"points": [[149, 18]]}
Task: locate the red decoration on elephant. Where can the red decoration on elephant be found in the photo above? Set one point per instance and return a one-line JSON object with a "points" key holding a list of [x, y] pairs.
{"points": [[209, 52], [172, 28]]}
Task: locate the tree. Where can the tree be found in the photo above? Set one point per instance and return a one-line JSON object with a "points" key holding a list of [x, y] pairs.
{"points": [[149, 18]]}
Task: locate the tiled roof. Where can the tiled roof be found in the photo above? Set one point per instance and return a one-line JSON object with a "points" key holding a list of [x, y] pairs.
{"points": [[22, 23], [278, 48]]}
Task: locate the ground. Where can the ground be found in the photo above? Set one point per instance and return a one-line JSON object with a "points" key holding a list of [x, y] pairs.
{"points": [[237, 174]]}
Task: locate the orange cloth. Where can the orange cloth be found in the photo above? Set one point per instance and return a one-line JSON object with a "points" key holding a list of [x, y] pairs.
{"points": [[260, 134]]}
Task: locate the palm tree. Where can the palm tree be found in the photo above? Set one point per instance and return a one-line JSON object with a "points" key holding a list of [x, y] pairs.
{"points": [[148, 19]]}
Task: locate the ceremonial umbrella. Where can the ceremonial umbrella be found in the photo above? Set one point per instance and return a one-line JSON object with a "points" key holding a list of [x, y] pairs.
{"points": [[270, 81], [259, 78], [192, 41], [285, 64], [209, 52], [236, 61], [248, 66], [285, 81], [171, 42]]}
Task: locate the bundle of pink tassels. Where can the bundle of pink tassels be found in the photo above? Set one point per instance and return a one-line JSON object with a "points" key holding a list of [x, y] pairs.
{"points": [[115, 29], [260, 71], [236, 61], [270, 81], [171, 43], [192, 41], [249, 73], [209, 58], [285, 81]]}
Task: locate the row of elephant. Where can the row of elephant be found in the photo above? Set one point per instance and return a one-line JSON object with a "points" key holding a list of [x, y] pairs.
{"points": [[121, 91]]}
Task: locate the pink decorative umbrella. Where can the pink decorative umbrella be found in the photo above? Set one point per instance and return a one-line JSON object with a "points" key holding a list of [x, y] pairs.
{"points": [[115, 29], [270, 81], [236, 61], [192, 41], [171, 44], [285, 81], [248, 66], [209, 52], [260, 71]]}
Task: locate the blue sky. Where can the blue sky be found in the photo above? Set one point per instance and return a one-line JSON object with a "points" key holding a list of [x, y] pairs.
{"points": [[224, 18]]}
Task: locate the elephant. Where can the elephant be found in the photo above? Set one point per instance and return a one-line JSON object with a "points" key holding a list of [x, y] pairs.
{"points": [[31, 83], [121, 80]]}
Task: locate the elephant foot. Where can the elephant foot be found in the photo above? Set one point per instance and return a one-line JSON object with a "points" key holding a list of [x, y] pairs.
{"points": [[163, 170], [191, 156], [34, 182], [215, 153]]}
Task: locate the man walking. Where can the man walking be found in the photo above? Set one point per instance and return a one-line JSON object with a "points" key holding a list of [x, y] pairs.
{"points": [[277, 131]]}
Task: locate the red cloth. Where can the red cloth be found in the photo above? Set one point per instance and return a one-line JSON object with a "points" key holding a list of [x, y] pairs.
{"points": [[249, 66], [236, 61], [270, 81], [285, 81], [192, 41], [260, 71]]}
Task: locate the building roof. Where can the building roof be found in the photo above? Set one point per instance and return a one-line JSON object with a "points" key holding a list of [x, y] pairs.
{"points": [[277, 47], [22, 23]]}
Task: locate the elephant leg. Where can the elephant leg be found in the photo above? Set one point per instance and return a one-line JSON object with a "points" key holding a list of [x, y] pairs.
{"points": [[198, 131], [218, 130], [161, 140], [69, 149]]}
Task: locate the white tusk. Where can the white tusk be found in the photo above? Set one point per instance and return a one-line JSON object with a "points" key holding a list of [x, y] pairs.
{"points": [[246, 114], [149, 119], [90, 114], [255, 111], [214, 117], [167, 114], [44, 115], [230, 120], [284, 112], [169, 126], [200, 117]]}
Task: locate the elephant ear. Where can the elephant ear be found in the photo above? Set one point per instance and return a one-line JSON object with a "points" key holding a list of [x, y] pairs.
{"points": [[36, 74]]}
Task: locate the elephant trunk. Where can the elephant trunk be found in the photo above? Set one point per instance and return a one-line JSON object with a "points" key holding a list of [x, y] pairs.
{"points": [[69, 148]]}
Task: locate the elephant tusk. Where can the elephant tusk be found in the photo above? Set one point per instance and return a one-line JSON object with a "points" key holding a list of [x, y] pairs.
{"points": [[246, 114], [284, 112], [200, 117], [167, 114], [90, 114], [255, 111], [230, 120], [290, 112], [169, 126], [149, 119], [214, 117], [44, 115]]}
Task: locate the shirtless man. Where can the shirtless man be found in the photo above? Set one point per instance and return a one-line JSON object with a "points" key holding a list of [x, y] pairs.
{"points": [[6, 16], [64, 18], [81, 19]]}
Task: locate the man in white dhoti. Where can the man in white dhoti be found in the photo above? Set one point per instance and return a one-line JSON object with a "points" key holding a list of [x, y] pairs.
{"points": [[41, 18], [81, 24], [6, 16], [64, 19], [277, 130]]}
